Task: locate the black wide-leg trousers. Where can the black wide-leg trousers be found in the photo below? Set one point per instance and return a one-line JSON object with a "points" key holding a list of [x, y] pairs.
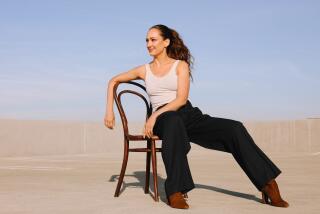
{"points": [[188, 124]]}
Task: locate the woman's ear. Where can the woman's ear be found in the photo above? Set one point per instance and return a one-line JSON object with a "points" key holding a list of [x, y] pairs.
{"points": [[167, 42]]}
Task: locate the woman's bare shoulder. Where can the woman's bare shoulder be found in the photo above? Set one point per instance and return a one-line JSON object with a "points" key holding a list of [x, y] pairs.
{"points": [[139, 67], [182, 67], [140, 71]]}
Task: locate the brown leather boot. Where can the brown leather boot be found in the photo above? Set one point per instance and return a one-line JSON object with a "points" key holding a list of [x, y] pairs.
{"points": [[271, 191], [176, 200]]}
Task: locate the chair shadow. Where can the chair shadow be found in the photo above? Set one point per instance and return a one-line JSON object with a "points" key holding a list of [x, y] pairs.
{"points": [[140, 176]]}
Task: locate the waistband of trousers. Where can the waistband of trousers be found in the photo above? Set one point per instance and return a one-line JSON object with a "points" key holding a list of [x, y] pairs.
{"points": [[187, 103]]}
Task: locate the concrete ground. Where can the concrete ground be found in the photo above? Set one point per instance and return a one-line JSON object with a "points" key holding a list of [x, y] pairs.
{"points": [[86, 184]]}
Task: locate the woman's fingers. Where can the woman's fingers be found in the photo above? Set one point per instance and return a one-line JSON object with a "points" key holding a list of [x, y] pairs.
{"points": [[147, 132], [144, 131], [150, 133], [109, 120], [113, 123], [109, 123]]}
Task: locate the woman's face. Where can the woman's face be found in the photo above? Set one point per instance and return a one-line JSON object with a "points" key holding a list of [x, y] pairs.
{"points": [[155, 42]]}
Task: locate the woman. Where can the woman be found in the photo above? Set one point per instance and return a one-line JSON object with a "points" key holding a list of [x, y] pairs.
{"points": [[177, 122]]}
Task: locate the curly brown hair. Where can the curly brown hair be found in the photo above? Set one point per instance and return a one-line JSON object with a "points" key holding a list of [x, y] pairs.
{"points": [[176, 49]]}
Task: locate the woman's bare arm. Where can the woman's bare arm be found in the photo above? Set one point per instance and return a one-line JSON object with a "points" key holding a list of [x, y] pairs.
{"points": [[136, 73]]}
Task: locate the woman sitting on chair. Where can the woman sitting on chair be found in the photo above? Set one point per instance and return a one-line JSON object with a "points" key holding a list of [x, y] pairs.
{"points": [[177, 122]]}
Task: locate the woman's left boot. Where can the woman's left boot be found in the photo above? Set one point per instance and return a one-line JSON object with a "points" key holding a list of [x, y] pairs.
{"points": [[271, 191]]}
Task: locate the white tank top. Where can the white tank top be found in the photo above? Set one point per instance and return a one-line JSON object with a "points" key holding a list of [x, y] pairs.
{"points": [[161, 90]]}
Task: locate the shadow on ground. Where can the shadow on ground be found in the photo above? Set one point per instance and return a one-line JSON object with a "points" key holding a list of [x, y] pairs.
{"points": [[140, 176]]}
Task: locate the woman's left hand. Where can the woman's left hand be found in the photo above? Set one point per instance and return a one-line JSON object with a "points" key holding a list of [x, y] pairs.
{"points": [[148, 127]]}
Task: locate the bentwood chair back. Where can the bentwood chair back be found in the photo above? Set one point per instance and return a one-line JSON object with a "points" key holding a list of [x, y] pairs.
{"points": [[150, 148]]}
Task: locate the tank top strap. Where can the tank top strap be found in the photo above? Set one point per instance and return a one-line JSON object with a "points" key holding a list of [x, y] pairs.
{"points": [[148, 71], [147, 67], [175, 64], [174, 67]]}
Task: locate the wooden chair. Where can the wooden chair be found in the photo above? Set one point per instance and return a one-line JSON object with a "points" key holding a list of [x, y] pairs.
{"points": [[150, 148]]}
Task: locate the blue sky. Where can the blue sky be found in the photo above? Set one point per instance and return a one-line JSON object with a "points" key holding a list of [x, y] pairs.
{"points": [[254, 60]]}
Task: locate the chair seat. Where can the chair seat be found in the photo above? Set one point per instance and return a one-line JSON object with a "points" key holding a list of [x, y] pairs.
{"points": [[141, 137]]}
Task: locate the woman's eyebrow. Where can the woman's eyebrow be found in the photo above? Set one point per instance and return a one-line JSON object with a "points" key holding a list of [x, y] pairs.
{"points": [[151, 38]]}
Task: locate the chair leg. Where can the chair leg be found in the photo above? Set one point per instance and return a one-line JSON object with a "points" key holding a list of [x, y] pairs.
{"points": [[148, 159], [123, 168], [154, 170]]}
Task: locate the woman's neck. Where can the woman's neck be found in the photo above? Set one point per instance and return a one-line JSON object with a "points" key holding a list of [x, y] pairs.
{"points": [[162, 59]]}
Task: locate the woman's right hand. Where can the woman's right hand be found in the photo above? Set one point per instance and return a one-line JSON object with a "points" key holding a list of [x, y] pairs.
{"points": [[109, 120]]}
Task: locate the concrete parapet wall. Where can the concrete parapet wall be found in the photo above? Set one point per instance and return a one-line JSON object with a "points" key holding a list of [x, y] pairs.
{"points": [[287, 136], [39, 137], [36, 137]]}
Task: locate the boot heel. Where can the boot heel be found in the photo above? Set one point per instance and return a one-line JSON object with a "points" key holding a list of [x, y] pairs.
{"points": [[265, 198], [271, 195], [168, 201]]}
